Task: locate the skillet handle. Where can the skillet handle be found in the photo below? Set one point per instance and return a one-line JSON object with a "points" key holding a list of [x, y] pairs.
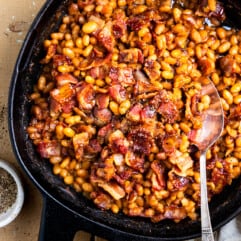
{"points": [[60, 224], [56, 222]]}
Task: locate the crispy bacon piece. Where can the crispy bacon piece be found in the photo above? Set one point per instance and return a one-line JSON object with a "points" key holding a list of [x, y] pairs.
{"points": [[134, 113], [103, 171], [171, 212], [162, 96], [102, 200], [79, 142], [235, 112], [94, 61], [116, 191], [103, 116], [182, 160], [141, 140], [165, 106], [49, 148], [118, 143], [219, 13], [158, 177], [93, 147], [106, 38], [122, 76], [147, 113], [191, 108], [220, 176], [117, 93], [98, 72], [62, 99], [65, 78], [142, 84], [227, 64], [176, 182], [169, 111], [104, 132], [119, 24], [135, 161], [168, 143], [136, 22], [102, 100], [51, 51], [85, 97], [132, 55], [123, 174], [125, 77], [113, 74], [120, 146], [119, 29], [59, 59], [176, 213], [152, 69]]}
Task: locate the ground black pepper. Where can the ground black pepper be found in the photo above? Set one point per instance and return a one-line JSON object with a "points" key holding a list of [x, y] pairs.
{"points": [[8, 190]]}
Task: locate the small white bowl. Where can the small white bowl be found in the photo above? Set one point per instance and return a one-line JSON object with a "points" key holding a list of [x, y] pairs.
{"points": [[8, 216]]}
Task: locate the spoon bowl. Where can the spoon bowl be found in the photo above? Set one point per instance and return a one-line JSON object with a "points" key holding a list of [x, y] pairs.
{"points": [[212, 127]]}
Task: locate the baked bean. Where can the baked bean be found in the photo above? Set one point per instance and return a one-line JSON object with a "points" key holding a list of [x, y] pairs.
{"points": [[86, 40], [114, 208], [57, 36], [87, 187], [159, 29], [42, 82], [89, 27], [89, 7], [143, 31], [237, 99], [212, 5], [56, 169], [68, 132], [124, 106], [114, 107], [195, 36], [221, 33], [228, 96], [69, 180], [49, 86], [224, 47], [167, 74], [86, 52], [55, 159], [63, 173]]}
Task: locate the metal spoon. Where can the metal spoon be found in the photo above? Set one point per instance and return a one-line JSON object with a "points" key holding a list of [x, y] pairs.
{"points": [[212, 126]]}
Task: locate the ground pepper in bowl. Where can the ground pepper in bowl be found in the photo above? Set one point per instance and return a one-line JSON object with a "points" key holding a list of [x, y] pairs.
{"points": [[8, 190]]}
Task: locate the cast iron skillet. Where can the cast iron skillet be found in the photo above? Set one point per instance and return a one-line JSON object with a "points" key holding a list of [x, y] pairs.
{"points": [[65, 211]]}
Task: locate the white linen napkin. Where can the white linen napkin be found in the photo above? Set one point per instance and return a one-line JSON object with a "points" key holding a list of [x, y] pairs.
{"points": [[229, 232]]}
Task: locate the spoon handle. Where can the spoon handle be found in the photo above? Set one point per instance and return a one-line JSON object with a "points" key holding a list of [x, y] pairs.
{"points": [[207, 232]]}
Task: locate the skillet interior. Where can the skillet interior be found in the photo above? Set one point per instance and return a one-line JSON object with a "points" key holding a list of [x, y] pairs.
{"points": [[223, 207]]}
